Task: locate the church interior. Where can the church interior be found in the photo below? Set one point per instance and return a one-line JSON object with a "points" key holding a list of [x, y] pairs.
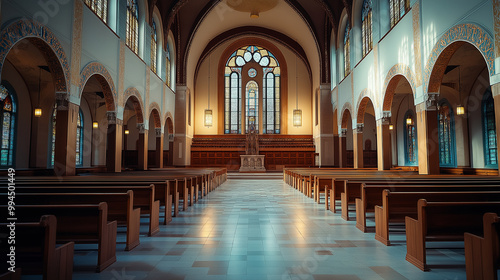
{"points": [[249, 139]]}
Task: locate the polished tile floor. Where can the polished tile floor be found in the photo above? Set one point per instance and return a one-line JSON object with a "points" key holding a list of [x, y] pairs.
{"points": [[264, 229]]}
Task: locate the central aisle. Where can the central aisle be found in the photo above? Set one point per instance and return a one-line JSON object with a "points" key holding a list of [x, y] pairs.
{"points": [[264, 229]]}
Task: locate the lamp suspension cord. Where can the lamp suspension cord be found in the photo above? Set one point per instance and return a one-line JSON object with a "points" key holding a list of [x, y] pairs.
{"points": [[39, 87], [296, 85], [209, 58]]}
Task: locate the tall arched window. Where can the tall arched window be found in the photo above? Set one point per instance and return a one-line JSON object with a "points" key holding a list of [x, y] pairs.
{"points": [[347, 50], [154, 44], [263, 74], [489, 131], [446, 125], [398, 9], [52, 134], [169, 67], [410, 139], [99, 7], [252, 106], [8, 121], [133, 26], [79, 139], [366, 19]]}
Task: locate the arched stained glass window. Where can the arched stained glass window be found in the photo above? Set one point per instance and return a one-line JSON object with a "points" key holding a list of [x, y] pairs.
{"points": [[154, 46], [489, 131], [366, 19], [52, 134], [169, 67], [8, 121], [99, 7], [410, 139], [347, 50], [252, 106], [398, 9], [133, 26], [265, 78], [79, 139], [446, 134]]}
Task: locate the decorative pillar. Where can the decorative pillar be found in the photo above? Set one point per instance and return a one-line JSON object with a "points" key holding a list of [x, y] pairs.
{"points": [[384, 155], [428, 139], [142, 147], [324, 139], [182, 141], [65, 147], [159, 148], [495, 91], [114, 143], [336, 147], [343, 148], [357, 140]]}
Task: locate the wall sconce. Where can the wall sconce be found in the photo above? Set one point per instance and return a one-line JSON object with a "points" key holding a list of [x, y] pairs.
{"points": [[460, 110], [95, 124], [391, 127], [127, 132], [297, 117], [208, 117]]}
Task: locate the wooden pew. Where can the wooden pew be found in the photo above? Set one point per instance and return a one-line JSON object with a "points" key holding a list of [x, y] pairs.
{"points": [[144, 197], [397, 205], [16, 275], [443, 221], [36, 251], [120, 208], [371, 196], [86, 224], [482, 254]]}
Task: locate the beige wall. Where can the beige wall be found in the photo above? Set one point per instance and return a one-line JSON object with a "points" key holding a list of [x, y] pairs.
{"points": [[200, 96]]}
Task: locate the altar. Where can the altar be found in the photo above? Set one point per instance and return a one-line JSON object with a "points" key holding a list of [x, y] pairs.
{"points": [[252, 161]]}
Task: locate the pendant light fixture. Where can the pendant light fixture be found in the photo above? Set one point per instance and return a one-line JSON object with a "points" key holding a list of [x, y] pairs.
{"points": [[38, 109], [297, 113], [409, 120], [460, 108], [95, 124], [208, 112]]}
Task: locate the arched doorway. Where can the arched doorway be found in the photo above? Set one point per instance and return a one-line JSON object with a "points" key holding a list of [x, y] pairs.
{"points": [[365, 151], [155, 138], [168, 141], [135, 133], [345, 138]]}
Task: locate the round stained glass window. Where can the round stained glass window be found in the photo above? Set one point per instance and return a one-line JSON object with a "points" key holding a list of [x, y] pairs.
{"points": [[252, 73]]}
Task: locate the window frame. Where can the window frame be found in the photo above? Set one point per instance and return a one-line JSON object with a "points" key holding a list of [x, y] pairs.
{"points": [[154, 48], [11, 149], [79, 138], [452, 136], [396, 4], [347, 50], [94, 4], [132, 26], [487, 100], [367, 27], [406, 139]]}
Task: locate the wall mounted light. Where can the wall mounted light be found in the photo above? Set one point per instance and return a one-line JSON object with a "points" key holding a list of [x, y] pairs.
{"points": [[391, 127], [127, 132]]}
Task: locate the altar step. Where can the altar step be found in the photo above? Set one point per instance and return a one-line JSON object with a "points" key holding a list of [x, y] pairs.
{"points": [[255, 176]]}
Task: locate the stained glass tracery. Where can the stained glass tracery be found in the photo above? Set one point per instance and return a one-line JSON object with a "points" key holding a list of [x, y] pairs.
{"points": [[154, 46], [446, 135], [366, 19], [99, 7], [489, 131], [347, 50], [410, 140], [398, 9], [270, 72], [8, 121], [133, 26]]}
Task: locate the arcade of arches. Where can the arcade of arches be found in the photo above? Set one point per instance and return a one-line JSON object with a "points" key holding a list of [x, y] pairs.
{"points": [[359, 90]]}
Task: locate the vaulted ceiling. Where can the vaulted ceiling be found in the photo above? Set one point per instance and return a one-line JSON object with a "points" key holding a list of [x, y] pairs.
{"points": [[183, 17]]}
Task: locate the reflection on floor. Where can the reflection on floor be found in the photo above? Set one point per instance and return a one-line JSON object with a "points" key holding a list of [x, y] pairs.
{"points": [[264, 229]]}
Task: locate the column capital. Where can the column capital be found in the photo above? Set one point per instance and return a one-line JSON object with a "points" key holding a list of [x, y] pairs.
{"points": [[111, 117], [431, 101], [359, 127], [343, 132], [142, 128], [158, 132], [386, 117], [62, 101]]}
